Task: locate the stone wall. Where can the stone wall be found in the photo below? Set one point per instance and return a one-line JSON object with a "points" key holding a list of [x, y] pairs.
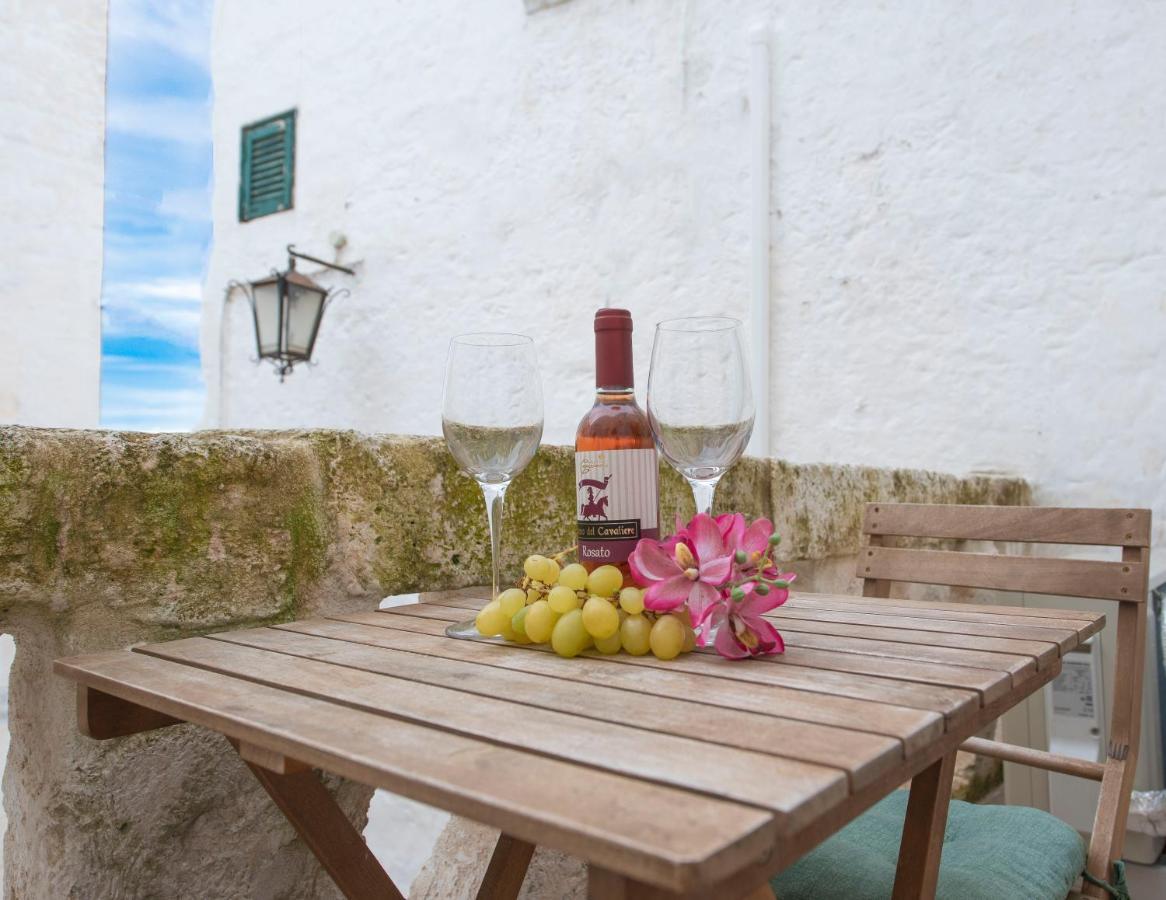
{"points": [[109, 539]]}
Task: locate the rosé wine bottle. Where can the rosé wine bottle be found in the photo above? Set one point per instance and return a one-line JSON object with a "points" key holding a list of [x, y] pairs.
{"points": [[617, 494]]}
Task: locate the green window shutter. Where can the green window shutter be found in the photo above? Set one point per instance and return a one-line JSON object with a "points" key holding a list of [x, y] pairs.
{"points": [[267, 166]]}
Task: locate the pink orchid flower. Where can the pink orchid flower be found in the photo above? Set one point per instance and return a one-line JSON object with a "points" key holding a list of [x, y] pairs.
{"points": [[752, 541], [691, 574], [741, 630]]}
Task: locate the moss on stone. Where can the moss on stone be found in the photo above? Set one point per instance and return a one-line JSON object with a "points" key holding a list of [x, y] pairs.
{"points": [[980, 783], [188, 532]]}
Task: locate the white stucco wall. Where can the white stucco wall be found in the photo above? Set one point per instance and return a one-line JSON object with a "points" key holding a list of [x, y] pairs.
{"points": [[968, 207], [52, 151]]}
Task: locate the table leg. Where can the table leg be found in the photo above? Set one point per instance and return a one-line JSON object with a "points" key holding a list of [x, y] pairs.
{"points": [[328, 833], [603, 884], [507, 869], [922, 844]]}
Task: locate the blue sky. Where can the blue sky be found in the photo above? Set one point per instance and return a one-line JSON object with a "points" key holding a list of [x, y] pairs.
{"points": [[157, 212]]}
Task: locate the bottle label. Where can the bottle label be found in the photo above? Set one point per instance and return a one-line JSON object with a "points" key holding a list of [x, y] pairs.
{"points": [[617, 496]]}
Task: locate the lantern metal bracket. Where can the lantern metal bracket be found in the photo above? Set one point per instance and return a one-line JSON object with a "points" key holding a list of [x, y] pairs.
{"points": [[294, 254]]}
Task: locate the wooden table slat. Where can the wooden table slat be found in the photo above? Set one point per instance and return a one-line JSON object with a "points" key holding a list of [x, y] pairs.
{"points": [[672, 836], [792, 790], [1019, 667], [1065, 638], [1085, 626], [925, 606], [1044, 653]]}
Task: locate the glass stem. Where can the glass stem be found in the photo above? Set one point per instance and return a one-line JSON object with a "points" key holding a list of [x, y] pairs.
{"points": [[495, 495], [702, 492]]}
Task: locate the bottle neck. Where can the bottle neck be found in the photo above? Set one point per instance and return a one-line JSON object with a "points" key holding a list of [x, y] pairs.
{"points": [[613, 361]]}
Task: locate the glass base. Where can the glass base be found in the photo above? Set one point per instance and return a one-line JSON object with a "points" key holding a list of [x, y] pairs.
{"points": [[464, 631]]}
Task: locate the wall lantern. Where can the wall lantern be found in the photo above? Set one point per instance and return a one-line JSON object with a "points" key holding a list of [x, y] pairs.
{"points": [[288, 307]]}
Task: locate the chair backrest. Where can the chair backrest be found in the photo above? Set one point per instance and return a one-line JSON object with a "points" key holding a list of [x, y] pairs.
{"points": [[1124, 581]]}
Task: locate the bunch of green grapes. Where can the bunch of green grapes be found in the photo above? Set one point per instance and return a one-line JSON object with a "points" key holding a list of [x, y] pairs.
{"points": [[575, 610]]}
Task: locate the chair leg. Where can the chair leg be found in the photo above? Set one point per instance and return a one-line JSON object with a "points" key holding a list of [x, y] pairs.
{"points": [[922, 844]]}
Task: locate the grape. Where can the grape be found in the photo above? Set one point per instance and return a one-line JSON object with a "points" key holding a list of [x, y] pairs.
{"points": [[605, 581], [518, 625], [634, 635], [608, 645], [569, 637], [539, 621], [533, 566], [533, 594], [507, 632], [689, 640], [562, 599], [512, 601], [490, 619], [600, 618], [550, 571], [574, 576], [667, 637], [631, 599]]}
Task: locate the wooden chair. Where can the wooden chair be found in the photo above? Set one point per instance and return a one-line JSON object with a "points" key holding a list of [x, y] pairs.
{"points": [[1125, 582]]}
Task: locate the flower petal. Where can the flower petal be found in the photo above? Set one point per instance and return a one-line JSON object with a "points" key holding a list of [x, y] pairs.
{"points": [[667, 594], [705, 537], [756, 537], [700, 596], [727, 644], [732, 527], [649, 563], [769, 640], [755, 604], [716, 571]]}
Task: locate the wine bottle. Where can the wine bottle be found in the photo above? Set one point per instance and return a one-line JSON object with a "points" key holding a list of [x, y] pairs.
{"points": [[617, 493]]}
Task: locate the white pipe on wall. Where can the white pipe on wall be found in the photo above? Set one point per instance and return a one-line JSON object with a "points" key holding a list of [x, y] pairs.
{"points": [[759, 171]]}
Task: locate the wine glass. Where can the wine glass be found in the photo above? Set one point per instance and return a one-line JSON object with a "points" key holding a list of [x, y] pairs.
{"points": [[492, 419], [700, 404]]}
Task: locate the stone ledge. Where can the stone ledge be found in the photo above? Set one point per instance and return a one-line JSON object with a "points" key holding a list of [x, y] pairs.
{"points": [[108, 539]]}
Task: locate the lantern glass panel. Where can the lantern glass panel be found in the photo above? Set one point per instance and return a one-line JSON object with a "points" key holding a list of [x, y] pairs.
{"points": [[265, 296], [304, 308]]}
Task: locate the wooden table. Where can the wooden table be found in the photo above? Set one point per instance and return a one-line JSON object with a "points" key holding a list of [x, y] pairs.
{"points": [[699, 777]]}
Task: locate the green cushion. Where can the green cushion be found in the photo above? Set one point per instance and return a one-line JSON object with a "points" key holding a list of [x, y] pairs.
{"points": [[989, 852]]}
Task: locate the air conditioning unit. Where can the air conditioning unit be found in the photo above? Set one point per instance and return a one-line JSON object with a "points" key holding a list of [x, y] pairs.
{"points": [[1071, 716]]}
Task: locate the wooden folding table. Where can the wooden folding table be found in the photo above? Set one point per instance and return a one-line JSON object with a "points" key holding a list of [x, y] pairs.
{"points": [[697, 777]]}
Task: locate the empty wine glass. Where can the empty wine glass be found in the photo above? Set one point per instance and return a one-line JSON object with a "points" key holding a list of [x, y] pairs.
{"points": [[492, 419], [700, 404]]}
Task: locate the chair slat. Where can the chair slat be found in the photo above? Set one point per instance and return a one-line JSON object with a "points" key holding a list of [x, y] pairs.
{"points": [[1035, 524], [1037, 575]]}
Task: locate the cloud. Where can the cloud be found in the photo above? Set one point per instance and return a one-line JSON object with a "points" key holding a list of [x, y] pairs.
{"points": [[180, 27], [180, 120], [187, 204], [163, 307], [150, 389]]}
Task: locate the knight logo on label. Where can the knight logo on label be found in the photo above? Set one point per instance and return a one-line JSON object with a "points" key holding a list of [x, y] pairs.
{"points": [[616, 492]]}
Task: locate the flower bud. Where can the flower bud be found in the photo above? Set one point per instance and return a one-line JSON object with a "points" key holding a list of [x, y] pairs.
{"points": [[774, 540], [780, 583], [740, 557], [762, 588], [737, 594]]}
